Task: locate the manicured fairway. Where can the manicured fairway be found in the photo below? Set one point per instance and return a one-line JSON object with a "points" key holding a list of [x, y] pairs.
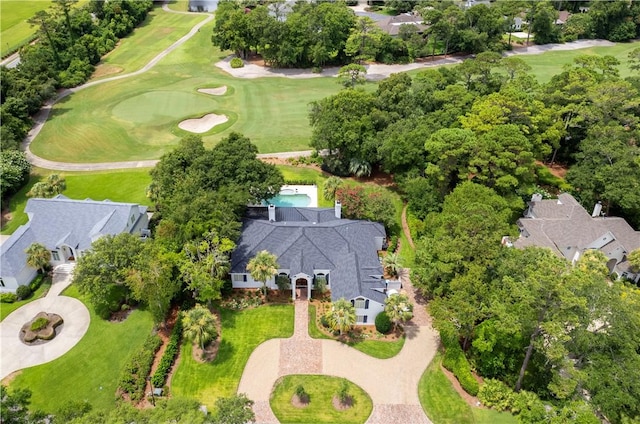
{"points": [[90, 370], [242, 332], [321, 390], [158, 32], [546, 65], [13, 21]]}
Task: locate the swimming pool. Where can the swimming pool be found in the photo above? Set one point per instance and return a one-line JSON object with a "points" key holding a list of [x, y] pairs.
{"points": [[290, 200], [300, 196]]}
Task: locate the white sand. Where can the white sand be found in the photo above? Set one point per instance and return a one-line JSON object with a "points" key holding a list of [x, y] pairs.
{"points": [[218, 91], [204, 124]]}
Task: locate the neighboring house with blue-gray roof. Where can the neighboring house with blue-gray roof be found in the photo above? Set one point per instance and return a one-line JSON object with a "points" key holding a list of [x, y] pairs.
{"points": [[67, 228], [316, 246]]}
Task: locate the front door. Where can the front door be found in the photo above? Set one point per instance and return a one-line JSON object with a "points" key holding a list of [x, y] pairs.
{"points": [[301, 288]]}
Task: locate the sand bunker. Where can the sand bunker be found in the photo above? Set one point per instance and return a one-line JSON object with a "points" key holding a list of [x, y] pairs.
{"points": [[204, 124], [218, 91]]}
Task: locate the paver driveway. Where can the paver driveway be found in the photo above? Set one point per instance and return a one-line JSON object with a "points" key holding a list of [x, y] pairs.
{"points": [[391, 383]]}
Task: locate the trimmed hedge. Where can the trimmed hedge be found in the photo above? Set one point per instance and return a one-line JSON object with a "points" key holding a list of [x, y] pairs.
{"points": [[383, 323], [23, 292], [236, 62], [133, 378], [299, 182], [455, 361], [8, 297], [169, 356]]}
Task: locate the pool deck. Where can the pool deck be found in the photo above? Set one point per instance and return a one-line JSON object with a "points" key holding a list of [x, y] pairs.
{"points": [[309, 190]]}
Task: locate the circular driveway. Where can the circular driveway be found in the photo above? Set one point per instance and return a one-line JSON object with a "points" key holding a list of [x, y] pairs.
{"points": [[16, 355]]}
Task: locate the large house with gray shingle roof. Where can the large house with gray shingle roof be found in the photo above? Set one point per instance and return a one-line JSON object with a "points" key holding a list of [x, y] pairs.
{"points": [[316, 246], [67, 228], [565, 227]]}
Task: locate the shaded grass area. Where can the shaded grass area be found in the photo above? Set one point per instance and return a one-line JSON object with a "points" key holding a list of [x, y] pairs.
{"points": [[380, 349], [90, 370], [242, 332], [117, 185], [159, 30], [7, 308], [321, 390], [443, 405]]}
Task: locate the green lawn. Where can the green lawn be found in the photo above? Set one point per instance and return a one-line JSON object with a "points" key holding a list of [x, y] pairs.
{"points": [[13, 21], [156, 33], [137, 118], [118, 186], [242, 332], [321, 390], [7, 308], [377, 348], [546, 65], [90, 370], [443, 405]]}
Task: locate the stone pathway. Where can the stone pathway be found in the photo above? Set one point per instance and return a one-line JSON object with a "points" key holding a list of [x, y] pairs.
{"points": [[391, 383], [15, 355]]}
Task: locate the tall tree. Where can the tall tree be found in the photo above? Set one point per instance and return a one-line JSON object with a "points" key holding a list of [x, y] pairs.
{"points": [[199, 326], [262, 267], [543, 24], [38, 256], [234, 410], [341, 316]]}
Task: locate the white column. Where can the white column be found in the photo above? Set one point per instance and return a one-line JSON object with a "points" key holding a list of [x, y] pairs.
{"points": [[293, 289]]}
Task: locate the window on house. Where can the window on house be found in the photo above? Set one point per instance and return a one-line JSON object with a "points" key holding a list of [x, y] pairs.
{"points": [[361, 319], [321, 279], [55, 255], [240, 277], [360, 304]]}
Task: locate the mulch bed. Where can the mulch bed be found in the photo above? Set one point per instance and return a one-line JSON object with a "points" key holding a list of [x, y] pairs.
{"points": [[298, 402], [342, 406]]}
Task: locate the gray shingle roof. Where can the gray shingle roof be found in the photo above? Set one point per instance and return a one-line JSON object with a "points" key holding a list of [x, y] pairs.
{"points": [[564, 226], [61, 220], [312, 238]]}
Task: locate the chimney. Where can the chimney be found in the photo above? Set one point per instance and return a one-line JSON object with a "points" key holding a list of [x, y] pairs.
{"points": [[596, 209], [338, 209], [272, 213], [537, 197]]}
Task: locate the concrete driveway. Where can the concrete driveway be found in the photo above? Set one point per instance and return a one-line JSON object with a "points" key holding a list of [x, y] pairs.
{"points": [[15, 355]]}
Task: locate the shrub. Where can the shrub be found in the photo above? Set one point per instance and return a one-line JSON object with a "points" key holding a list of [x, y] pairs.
{"points": [[23, 292], [71, 410], [169, 356], [133, 377], [324, 321], [302, 394], [495, 394], [236, 62], [455, 361], [343, 392], [36, 282], [8, 297], [283, 282], [383, 323], [528, 407], [39, 324]]}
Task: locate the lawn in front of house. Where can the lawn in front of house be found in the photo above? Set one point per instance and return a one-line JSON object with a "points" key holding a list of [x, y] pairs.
{"points": [[90, 370], [126, 185], [7, 308], [380, 349], [321, 390], [242, 332], [443, 405]]}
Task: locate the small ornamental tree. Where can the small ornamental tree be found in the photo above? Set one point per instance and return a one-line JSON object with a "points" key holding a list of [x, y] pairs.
{"points": [[342, 315], [199, 326], [262, 267], [234, 410], [398, 308], [352, 75], [330, 186], [391, 264], [38, 256]]}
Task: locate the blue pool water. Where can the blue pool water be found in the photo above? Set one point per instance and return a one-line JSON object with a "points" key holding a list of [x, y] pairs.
{"points": [[290, 200]]}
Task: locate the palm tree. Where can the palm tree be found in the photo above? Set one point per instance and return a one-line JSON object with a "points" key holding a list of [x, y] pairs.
{"points": [[330, 187], [199, 326], [342, 315], [398, 308], [56, 184], [262, 267], [39, 189], [391, 264], [38, 256], [359, 167]]}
